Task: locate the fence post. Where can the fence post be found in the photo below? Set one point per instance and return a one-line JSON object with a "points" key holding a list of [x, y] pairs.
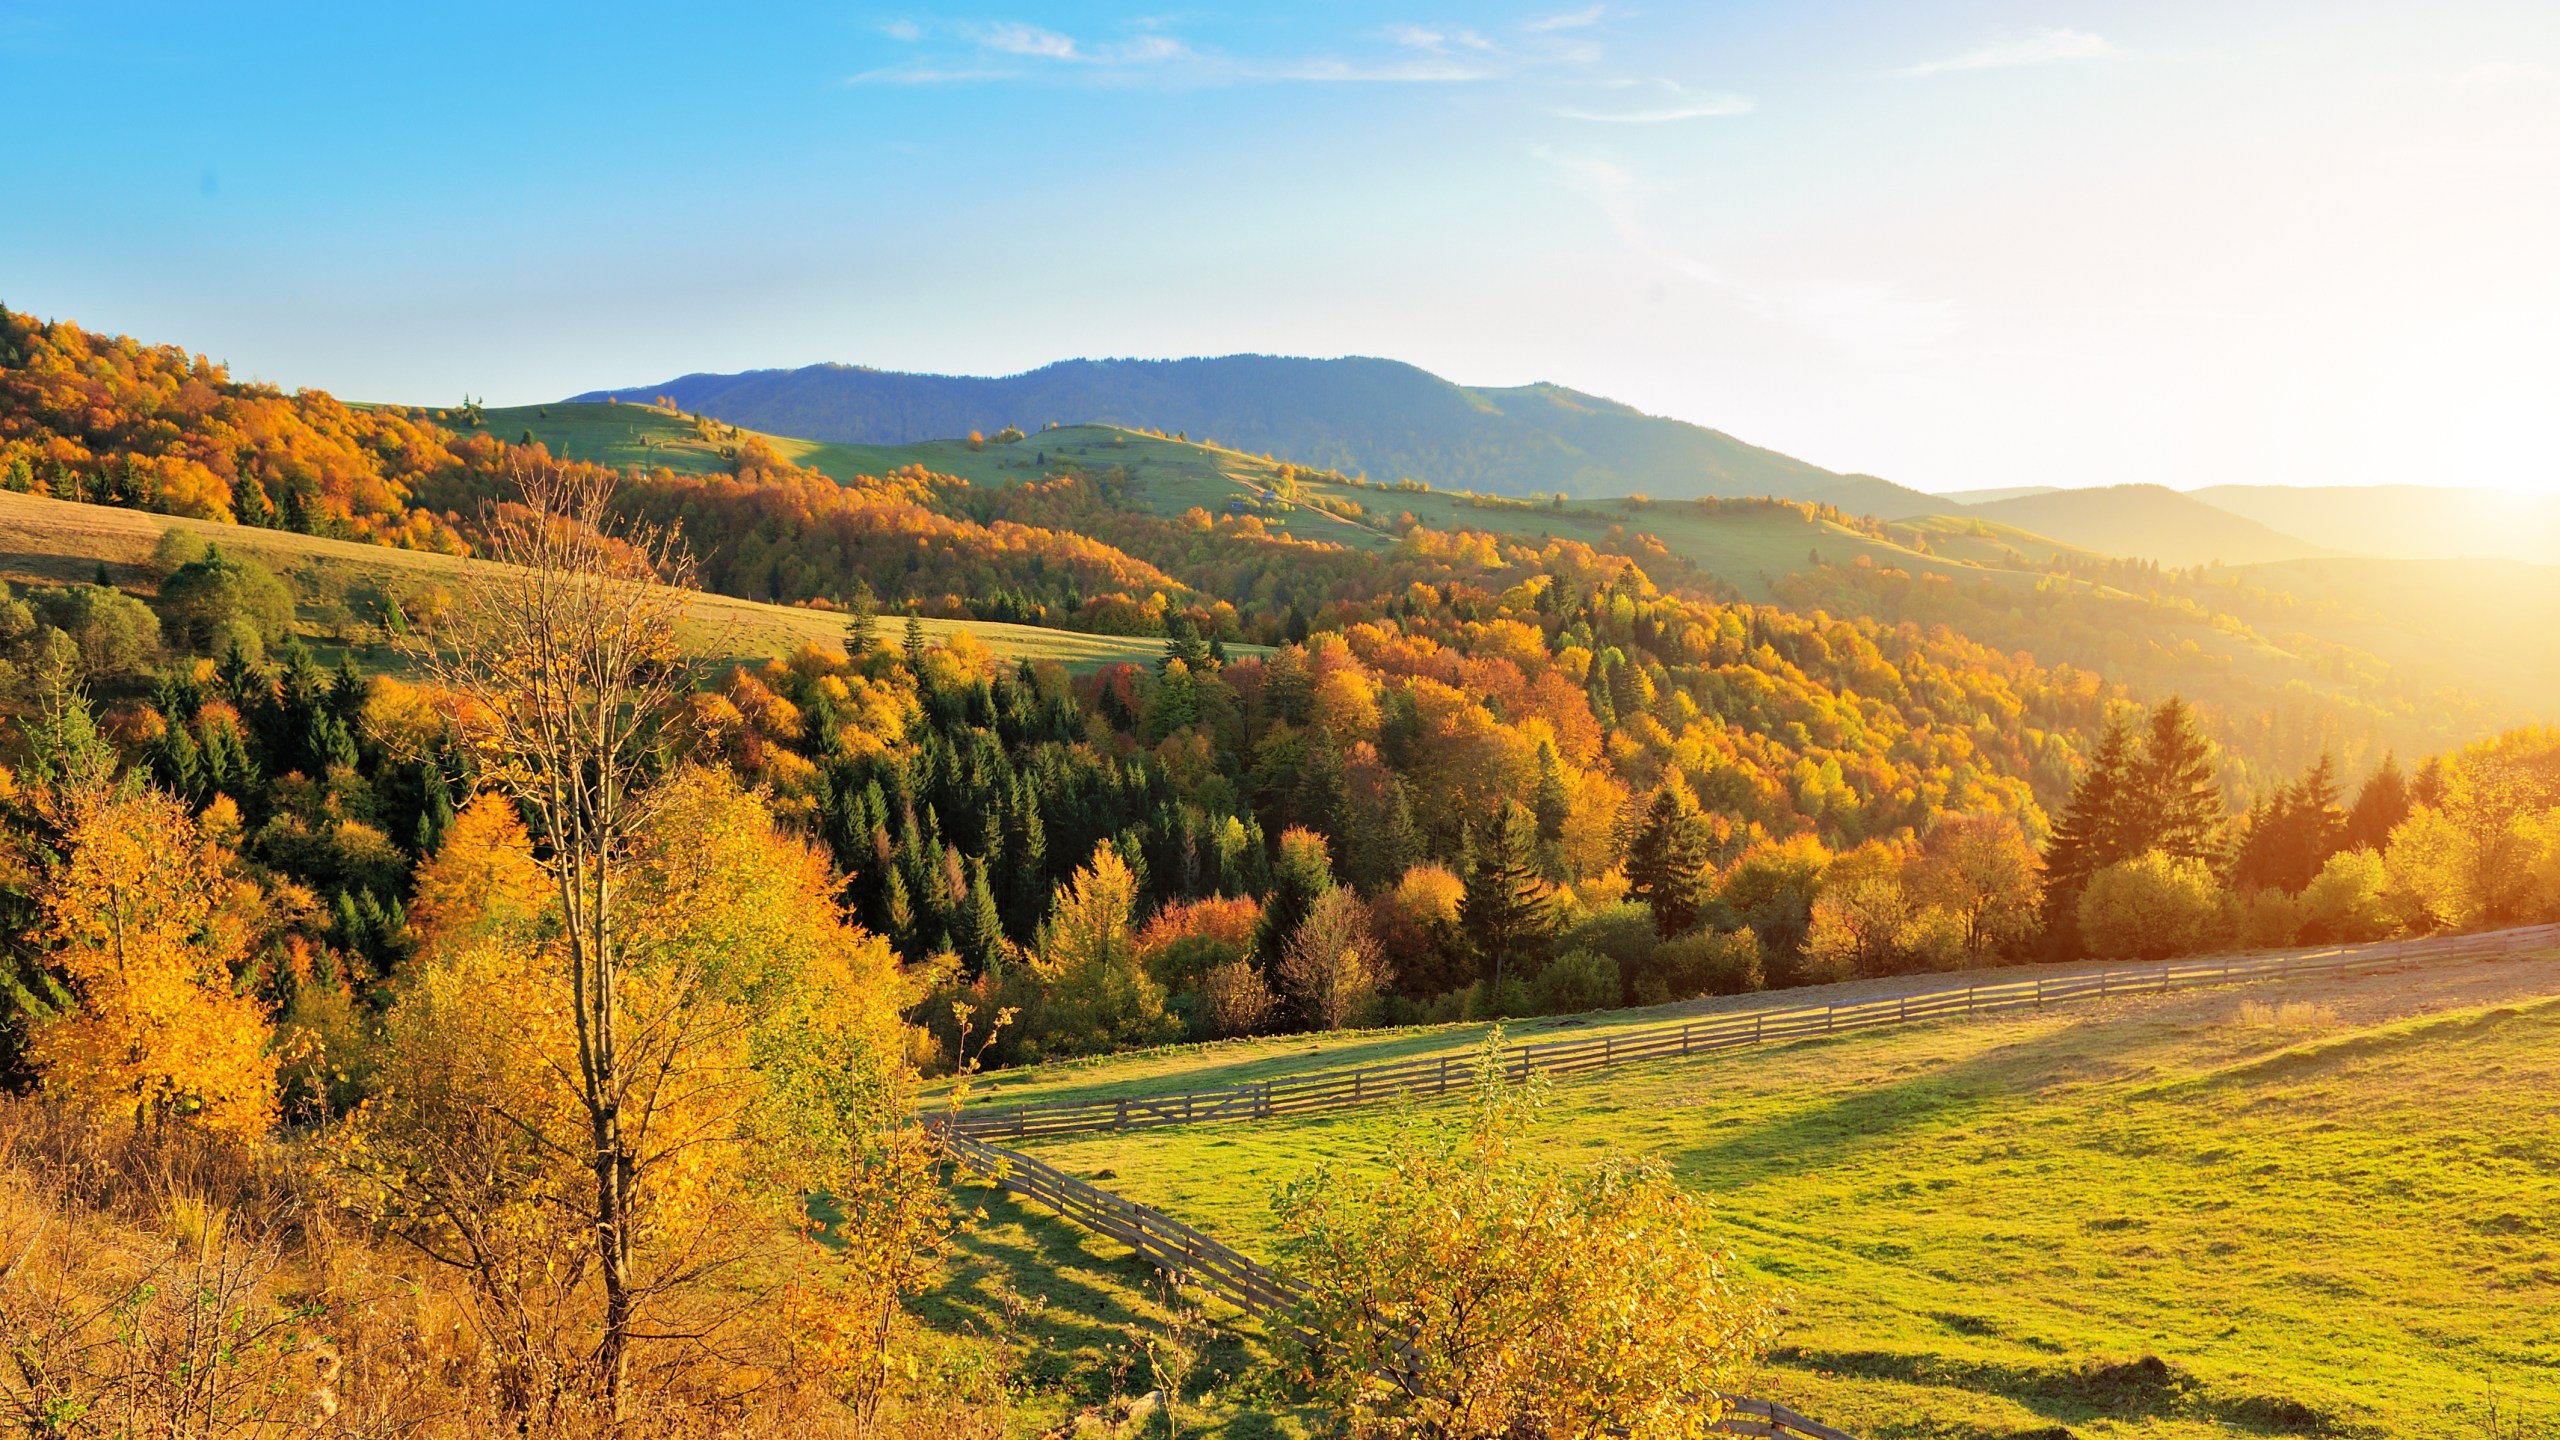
{"points": [[1906, 1009], [1758, 1019], [1444, 1076], [1684, 1038], [1123, 1122]]}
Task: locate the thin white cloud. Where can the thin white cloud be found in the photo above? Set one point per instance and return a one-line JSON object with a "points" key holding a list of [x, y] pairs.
{"points": [[1864, 318], [1413, 55], [2034, 47], [1693, 108], [913, 73], [1569, 20], [1439, 42], [1014, 38]]}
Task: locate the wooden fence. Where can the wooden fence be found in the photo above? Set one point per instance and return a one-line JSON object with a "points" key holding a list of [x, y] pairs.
{"points": [[1440, 1074], [1241, 1281]]}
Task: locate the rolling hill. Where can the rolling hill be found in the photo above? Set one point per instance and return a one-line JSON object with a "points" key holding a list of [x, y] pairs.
{"points": [[1382, 417], [2146, 522], [341, 588]]}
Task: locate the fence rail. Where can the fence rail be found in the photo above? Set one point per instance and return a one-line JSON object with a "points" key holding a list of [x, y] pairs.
{"points": [[1237, 1278], [1440, 1074]]}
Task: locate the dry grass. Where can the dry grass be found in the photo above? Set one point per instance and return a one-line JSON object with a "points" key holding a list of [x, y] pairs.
{"points": [[2288, 1017], [171, 1286]]}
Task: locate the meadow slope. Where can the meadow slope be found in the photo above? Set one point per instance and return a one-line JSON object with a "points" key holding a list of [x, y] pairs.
{"points": [[341, 587], [2172, 1217]]}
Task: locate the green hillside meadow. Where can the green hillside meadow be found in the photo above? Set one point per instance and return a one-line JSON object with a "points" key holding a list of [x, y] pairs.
{"points": [[341, 587], [2317, 1208]]}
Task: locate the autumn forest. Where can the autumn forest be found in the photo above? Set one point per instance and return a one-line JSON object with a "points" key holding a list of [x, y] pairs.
{"points": [[516, 923]]}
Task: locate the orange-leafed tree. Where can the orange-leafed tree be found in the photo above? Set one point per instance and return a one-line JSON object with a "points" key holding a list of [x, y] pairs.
{"points": [[132, 914]]}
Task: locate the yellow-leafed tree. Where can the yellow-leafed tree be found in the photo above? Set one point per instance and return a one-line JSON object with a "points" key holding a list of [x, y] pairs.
{"points": [[132, 914]]}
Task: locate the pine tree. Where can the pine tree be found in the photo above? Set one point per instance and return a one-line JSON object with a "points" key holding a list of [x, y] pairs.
{"points": [[1505, 912], [915, 644], [2092, 832], [2380, 806], [862, 628], [1668, 863], [2178, 806], [977, 930], [1549, 802], [1302, 873]]}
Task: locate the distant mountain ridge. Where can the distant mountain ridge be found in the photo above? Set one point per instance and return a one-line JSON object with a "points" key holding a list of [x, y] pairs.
{"points": [[1356, 414], [2149, 522]]}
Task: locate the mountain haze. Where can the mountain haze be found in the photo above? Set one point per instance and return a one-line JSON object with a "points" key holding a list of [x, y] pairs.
{"points": [[2408, 522], [1383, 417], [2146, 522]]}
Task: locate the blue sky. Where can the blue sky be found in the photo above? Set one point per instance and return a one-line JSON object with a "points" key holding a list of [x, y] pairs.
{"points": [[1960, 245]]}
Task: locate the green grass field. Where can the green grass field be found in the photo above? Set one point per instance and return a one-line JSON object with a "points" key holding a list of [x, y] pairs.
{"points": [[341, 586], [2140, 1218], [1167, 476]]}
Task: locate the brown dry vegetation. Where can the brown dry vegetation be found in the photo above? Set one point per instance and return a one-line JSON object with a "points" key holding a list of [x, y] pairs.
{"points": [[167, 1283]]}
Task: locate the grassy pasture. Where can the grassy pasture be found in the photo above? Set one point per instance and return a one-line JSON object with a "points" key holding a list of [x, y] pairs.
{"points": [[2154, 1218], [341, 586]]}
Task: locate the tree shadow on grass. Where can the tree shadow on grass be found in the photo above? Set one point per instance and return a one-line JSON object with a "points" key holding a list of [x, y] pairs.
{"points": [[1073, 1303]]}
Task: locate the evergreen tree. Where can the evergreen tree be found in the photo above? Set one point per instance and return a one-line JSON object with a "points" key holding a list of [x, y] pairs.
{"points": [[1302, 873], [1506, 912], [977, 931], [2178, 804], [1549, 802], [1669, 861], [1183, 643], [915, 644], [862, 627], [2380, 806], [2092, 832]]}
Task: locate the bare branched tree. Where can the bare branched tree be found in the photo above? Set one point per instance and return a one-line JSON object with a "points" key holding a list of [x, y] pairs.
{"points": [[1332, 966], [562, 647]]}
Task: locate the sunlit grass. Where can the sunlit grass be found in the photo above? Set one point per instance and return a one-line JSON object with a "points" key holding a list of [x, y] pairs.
{"points": [[2156, 1218]]}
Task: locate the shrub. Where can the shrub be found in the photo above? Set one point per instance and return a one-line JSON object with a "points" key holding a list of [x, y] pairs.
{"points": [[1622, 931], [1575, 981], [1235, 1000], [1703, 962], [216, 598], [2348, 900], [1468, 1292], [2150, 908]]}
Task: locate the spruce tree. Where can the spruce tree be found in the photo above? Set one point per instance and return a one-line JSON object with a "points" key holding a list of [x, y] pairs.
{"points": [[2093, 830], [977, 931], [2380, 807], [1505, 910], [1668, 862], [2179, 808], [1549, 802], [1302, 873]]}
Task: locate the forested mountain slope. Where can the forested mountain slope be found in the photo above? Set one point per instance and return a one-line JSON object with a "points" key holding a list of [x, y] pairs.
{"points": [[1382, 417]]}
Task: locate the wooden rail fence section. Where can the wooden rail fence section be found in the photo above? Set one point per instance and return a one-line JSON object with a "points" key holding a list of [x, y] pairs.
{"points": [[1438, 1075], [1241, 1281]]}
